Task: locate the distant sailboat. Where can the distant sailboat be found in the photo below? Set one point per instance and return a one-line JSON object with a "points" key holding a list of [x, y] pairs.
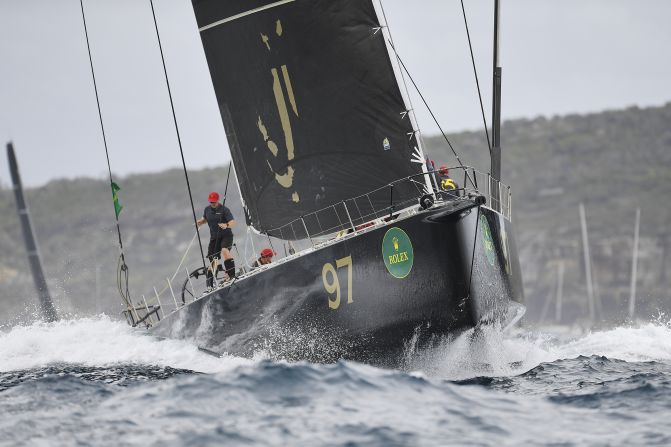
{"points": [[46, 305], [634, 267]]}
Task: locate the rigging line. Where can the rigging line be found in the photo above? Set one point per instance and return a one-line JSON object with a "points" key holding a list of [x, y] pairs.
{"points": [[181, 262], [179, 140], [420, 145], [223, 204], [405, 85], [179, 267], [271, 244], [477, 82], [102, 127], [122, 272], [250, 238], [426, 104], [228, 177], [124, 297]]}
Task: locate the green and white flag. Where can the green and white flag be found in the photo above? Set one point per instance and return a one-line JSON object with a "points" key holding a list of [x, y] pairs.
{"points": [[115, 197]]}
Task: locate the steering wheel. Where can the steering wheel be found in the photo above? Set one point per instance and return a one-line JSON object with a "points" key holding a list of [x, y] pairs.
{"points": [[189, 285]]}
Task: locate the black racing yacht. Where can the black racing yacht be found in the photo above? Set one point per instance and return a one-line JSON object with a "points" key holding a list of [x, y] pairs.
{"points": [[327, 156]]}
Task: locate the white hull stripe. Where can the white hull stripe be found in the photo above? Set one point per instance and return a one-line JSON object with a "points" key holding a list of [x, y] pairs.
{"points": [[243, 14]]}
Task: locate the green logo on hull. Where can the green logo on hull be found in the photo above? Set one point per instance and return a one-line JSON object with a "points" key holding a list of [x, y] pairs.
{"points": [[397, 252], [487, 240]]}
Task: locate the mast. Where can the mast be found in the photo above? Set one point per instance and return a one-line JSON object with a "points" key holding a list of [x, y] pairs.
{"points": [[588, 263], [560, 291], [46, 305], [496, 101], [634, 267]]}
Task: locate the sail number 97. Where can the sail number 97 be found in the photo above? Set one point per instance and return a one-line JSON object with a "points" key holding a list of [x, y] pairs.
{"points": [[332, 283]]}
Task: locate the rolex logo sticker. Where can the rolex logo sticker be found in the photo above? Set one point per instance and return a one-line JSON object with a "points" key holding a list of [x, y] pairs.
{"points": [[386, 144], [397, 252]]}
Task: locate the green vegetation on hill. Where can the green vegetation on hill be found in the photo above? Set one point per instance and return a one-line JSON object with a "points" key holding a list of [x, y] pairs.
{"points": [[74, 226], [613, 162]]}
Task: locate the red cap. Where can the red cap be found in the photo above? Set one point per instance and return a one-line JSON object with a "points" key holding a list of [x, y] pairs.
{"points": [[213, 197], [443, 170], [267, 253]]}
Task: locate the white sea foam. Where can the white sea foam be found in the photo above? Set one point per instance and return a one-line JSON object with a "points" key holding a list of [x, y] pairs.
{"points": [[487, 352], [646, 342], [100, 341]]}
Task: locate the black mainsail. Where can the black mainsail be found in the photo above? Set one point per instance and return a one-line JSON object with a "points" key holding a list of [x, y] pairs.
{"points": [[311, 106]]}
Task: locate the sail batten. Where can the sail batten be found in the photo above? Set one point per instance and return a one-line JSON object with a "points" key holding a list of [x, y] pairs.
{"points": [[243, 14], [310, 102]]}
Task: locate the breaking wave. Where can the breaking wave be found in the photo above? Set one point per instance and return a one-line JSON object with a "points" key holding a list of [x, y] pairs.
{"points": [[101, 341], [488, 352], [89, 380]]}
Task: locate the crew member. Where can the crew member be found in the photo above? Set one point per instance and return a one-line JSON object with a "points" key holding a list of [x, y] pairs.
{"points": [[446, 183], [220, 220], [265, 258]]}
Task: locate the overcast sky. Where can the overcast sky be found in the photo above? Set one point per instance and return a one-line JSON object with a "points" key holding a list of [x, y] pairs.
{"points": [[558, 57]]}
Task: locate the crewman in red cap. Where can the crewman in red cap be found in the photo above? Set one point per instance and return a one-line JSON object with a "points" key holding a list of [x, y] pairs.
{"points": [[265, 258], [220, 220], [447, 184]]}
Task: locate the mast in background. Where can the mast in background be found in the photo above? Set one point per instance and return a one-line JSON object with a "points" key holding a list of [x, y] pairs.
{"points": [[588, 264], [560, 291], [634, 267], [496, 102], [46, 305]]}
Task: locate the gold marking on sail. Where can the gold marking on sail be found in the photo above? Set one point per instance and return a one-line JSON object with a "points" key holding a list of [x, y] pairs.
{"points": [[284, 114], [290, 90], [266, 40], [264, 132], [287, 179], [273, 147], [262, 129]]}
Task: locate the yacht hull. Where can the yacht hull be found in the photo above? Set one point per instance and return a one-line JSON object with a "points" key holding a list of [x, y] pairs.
{"points": [[369, 295]]}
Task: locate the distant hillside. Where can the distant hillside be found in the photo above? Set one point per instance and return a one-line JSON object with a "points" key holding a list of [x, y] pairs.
{"points": [[612, 161], [74, 223]]}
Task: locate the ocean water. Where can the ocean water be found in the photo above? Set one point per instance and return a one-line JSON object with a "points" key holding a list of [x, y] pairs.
{"points": [[95, 381]]}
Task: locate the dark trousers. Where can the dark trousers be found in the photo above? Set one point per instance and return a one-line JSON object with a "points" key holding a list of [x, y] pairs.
{"points": [[214, 252]]}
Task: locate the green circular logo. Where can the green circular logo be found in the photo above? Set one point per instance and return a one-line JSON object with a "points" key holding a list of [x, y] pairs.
{"points": [[397, 252], [487, 240]]}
